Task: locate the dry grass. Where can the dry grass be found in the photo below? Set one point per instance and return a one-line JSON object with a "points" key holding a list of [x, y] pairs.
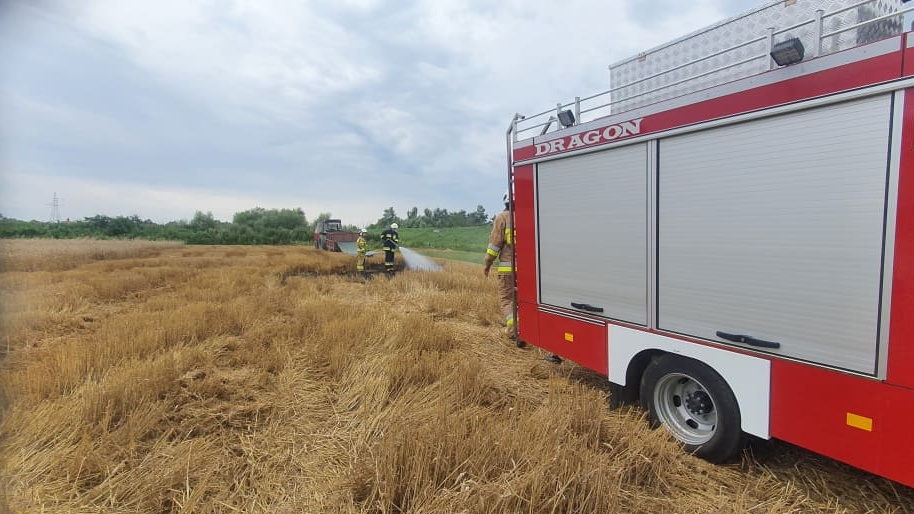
{"points": [[226, 379], [64, 254]]}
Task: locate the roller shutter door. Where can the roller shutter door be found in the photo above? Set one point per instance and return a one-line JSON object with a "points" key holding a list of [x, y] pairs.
{"points": [[774, 229], [592, 222]]}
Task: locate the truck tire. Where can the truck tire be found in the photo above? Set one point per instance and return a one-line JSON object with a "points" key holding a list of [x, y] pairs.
{"points": [[622, 396], [695, 404]]}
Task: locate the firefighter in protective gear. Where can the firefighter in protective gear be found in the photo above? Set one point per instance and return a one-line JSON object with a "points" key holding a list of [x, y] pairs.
{"points": [[390, 239], [501, 249], [361, 245]]}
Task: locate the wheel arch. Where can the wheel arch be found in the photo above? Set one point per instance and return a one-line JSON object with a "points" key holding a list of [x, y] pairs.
{"points": [[627, 392], [749, 377]]}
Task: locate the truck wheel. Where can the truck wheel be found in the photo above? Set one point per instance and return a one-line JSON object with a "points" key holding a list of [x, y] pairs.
{"points": [[696, 405]]}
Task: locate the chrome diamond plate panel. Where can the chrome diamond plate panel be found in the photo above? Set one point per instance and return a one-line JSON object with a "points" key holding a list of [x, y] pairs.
{"points": [[659, 74]]}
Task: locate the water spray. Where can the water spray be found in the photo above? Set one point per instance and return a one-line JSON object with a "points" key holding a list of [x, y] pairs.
{"points": [[415, 261]]}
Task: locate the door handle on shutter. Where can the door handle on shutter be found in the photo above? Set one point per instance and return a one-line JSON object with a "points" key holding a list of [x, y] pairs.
{"points": [[586, 307], [739, 338]]}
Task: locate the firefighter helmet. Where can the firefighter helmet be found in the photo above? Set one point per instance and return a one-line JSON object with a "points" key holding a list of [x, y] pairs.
{"points": [[363, 231], [394, 226], [505, 198]]}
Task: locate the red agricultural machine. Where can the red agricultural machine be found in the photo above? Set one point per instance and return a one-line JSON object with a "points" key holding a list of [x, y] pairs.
{"points": [[329, 235]]}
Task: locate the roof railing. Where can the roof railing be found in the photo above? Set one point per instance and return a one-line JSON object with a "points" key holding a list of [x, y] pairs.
{"points": [[626, 96]]}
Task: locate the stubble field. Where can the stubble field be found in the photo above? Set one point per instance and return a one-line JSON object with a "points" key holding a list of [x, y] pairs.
{"points": [[158, 378]]}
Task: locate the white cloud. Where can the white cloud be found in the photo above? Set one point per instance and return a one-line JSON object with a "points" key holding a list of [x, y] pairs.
{"points": [[26, 117], [392, 126], [347, 107], [275, 57], [32, 192]]}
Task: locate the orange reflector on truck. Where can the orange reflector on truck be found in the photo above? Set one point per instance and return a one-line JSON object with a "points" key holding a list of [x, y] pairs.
{"points": [[569, 337], [861, 422]]}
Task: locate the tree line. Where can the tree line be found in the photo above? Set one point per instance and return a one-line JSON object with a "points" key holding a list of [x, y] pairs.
{"points": [[256, 226], [434, 218]]}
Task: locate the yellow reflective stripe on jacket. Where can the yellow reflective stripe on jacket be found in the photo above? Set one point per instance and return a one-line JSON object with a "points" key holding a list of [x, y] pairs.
{"points": [[505, 267], [509, 236]]}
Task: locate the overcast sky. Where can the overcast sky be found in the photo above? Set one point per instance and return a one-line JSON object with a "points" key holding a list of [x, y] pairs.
{"points": [[160, 109]]}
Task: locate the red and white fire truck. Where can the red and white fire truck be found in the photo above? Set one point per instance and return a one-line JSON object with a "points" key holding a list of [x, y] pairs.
{"points": [[729, 235]]}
